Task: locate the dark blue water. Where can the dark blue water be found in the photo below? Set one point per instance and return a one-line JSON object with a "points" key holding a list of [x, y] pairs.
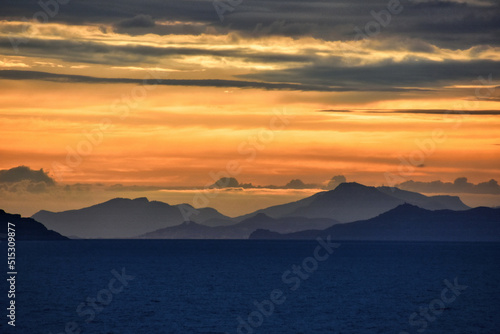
{"points": [[203, 286]]}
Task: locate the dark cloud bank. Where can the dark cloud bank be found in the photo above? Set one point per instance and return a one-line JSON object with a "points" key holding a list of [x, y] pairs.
{"points": [[460, 185], [447, 23]]}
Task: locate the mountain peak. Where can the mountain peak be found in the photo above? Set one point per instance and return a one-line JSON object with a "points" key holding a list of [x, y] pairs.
{"points": [[351, 185], [351, 188], [406, 209], [407, 206], [122, 218]]}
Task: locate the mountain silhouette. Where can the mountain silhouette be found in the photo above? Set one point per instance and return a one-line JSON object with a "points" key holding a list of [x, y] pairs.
{"points": [[26, 228], [125, 218], [353, 201], [409, 223], [241, 230], [437, 202]]}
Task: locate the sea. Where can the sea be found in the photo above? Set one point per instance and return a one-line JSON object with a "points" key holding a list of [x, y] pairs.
{"points": [[253, 286]]}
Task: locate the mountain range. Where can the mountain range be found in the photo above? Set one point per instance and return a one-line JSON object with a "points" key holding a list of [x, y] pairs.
{"points": [[141, 218], [409, 223], [353, 201], [125, 218], [241, 230]]}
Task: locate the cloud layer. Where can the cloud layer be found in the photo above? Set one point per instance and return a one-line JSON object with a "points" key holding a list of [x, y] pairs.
{"points": [[467, 23], [339, 46], [460, 185]]}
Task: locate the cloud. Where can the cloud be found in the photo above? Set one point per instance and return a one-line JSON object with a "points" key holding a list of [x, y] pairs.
{"points": [[492, 99], [93, 52], [299, 184], [231, 182], [418, 111], [226, 182], [454, 24], [22, 180], [442, 112], [69, 78], [460, 185], [174, 28], [419, 31], [23, 187], [23, 173], [336, 110], [335, 181], [120, 187], [138, 21], [388, 75]]}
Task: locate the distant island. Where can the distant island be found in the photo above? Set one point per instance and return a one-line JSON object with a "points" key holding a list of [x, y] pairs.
{"points": [[351, 211], [408, 223], [27, 228]]}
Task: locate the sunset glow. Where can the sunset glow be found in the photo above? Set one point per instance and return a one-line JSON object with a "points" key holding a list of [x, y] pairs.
{"points": [[153, 100]]}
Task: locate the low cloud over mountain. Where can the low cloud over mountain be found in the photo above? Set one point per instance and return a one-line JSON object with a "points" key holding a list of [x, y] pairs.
{"points": [[335, 181], [25, 179], [22, 173], [460, 185], [231, 182]]}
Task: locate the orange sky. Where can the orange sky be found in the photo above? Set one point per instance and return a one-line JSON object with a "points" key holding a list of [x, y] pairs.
{"points": [[175, 135]]}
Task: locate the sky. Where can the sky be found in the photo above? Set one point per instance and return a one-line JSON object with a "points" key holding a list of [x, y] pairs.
{"points": [[131, 98]]}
